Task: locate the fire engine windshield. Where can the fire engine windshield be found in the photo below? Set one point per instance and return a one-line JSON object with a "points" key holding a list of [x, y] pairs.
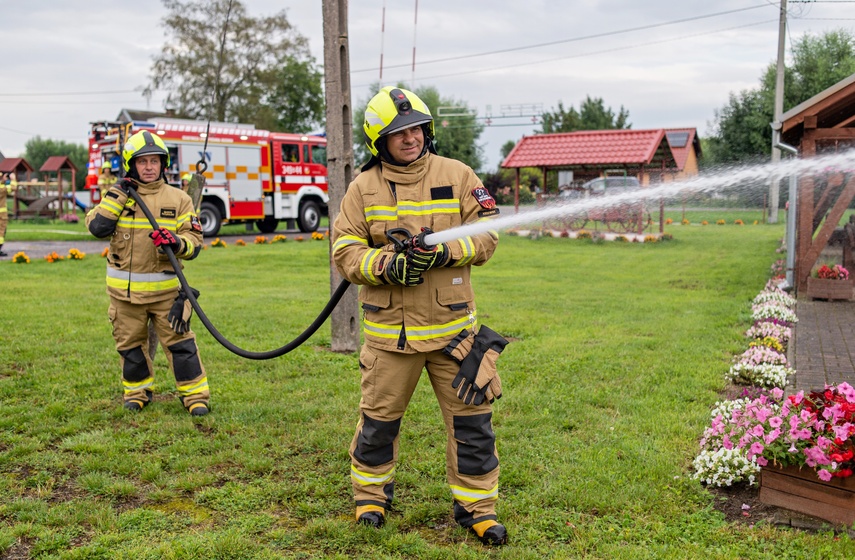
{"points": [[319, 154]]}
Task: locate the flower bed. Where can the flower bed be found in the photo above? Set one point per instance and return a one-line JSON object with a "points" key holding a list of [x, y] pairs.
{"points": [[800, 448]]}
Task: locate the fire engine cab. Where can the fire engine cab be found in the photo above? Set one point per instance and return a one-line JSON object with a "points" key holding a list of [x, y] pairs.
{"points": [[253, 176]]}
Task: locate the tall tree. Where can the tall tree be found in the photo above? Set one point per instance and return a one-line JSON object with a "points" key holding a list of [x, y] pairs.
{"points": [[458, 139], [37, 150], [741, 131], [592, 115], [220, 63]]}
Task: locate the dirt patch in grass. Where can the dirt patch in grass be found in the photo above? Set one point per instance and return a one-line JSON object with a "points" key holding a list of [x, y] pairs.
{"points": [[20, 550]]}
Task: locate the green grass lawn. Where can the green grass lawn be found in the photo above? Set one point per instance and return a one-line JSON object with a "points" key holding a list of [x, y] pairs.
{"points": [[619, 354]]}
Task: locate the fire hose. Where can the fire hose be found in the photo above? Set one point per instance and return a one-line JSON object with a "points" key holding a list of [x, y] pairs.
{"points": [[407, 244]]}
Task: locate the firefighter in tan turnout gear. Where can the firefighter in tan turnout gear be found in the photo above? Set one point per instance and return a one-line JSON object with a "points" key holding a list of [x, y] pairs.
{"points": [[419, 312], [8, 184], [141, 282]]}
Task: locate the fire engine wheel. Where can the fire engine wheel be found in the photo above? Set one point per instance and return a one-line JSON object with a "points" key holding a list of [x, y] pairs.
{"points": [[267, 225], [310, 216], [210, 218]]}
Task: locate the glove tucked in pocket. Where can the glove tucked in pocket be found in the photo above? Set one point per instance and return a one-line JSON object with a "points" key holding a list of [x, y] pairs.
{"points": [[478, 379], [181, 311]]}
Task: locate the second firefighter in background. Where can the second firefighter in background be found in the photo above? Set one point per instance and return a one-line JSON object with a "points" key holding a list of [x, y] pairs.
{"points": [[141, 282], [419, 312]]}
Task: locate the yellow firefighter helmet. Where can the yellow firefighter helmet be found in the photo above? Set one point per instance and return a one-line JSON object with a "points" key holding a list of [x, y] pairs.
{"points": [[142, 144], [391, 110]]}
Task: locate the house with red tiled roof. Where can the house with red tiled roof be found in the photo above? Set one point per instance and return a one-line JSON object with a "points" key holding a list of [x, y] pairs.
{"points": [[653, 156], [686, 147]]}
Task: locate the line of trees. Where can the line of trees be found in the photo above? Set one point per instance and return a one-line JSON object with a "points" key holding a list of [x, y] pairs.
{"points": [[741, 129]]}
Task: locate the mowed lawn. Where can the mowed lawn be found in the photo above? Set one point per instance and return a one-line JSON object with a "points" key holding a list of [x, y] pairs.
{"points": [[618, 354]]}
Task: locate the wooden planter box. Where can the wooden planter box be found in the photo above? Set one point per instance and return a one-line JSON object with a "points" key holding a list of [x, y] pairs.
{"points": [[820, 288], [801, 490]]}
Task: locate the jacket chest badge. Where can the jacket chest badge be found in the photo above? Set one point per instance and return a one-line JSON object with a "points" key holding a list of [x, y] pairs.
{"points": [[167, 213]]}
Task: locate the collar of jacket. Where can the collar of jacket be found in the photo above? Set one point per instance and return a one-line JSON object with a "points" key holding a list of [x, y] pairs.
{"points": [[148, 188], [409, 174]]}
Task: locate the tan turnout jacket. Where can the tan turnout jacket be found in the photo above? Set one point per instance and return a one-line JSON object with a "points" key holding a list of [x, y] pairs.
{"points": [[433, 191], [136, 270]]}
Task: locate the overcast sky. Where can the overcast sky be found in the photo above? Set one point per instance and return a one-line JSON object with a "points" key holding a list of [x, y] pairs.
{"points": [[670, 64]]}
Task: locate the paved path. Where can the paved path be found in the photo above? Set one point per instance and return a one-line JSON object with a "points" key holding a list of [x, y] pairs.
{"points": [[824, 349]]}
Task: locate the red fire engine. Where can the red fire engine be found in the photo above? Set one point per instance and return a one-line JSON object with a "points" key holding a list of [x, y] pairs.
{"points": [[253, 176]]}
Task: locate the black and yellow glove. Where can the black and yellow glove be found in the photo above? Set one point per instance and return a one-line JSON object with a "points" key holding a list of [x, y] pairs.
{"points": [[182, 310], [400, 270], [478, 380], [425, 260]]}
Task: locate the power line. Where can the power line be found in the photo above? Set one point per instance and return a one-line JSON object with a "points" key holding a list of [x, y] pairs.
{"points": [[572, 39], [55, 93], [591, 53]]}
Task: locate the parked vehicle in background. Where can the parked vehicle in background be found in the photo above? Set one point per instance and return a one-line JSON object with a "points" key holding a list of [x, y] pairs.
{"points": [[253, 176], [603, 186]]}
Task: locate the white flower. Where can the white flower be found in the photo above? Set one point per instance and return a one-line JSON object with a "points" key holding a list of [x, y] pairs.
{"points": [[764, 375]]}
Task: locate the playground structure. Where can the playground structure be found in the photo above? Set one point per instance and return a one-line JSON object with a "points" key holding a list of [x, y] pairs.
{"points": [[51, 197]]}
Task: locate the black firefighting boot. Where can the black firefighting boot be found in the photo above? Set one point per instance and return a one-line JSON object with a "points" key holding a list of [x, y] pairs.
{"points": [[137, 404], [490, 533], [198, 409], [371, 515], [2, 254]]}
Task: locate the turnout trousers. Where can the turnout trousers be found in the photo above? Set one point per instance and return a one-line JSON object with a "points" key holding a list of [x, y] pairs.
{"points": [[130, 330], [472, 463]]}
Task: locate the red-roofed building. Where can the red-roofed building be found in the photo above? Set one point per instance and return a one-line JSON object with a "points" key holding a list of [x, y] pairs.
{"points": [[686, 147], [655, 155]]}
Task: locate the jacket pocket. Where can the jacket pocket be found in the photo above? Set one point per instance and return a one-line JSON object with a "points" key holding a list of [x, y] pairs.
{"points": [[456, 298], [375, 298]]}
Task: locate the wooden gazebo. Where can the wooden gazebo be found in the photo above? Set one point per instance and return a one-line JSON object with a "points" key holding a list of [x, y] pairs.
{"points": [[824, 124]]}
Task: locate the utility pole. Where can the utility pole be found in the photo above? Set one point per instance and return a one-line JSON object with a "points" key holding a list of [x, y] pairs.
{"points": [[774, 187], [344, 318]]}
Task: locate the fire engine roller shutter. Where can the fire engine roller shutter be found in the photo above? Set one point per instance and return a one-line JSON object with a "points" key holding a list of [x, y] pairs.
{"points": [[239, 167]]}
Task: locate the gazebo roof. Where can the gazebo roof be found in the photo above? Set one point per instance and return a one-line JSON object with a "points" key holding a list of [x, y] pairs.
{"points": [[833, 108], [10, 165], [58, 163], [592, 148]]}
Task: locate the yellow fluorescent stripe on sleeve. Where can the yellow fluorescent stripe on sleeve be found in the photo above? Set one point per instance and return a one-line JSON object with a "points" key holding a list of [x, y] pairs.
{"points": [[368, 479], [111, 206], [367, 265], [346, 240], [472, 494], [468, 251]]}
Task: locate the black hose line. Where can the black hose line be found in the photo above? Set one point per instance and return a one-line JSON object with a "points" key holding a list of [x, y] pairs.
{"points": [[310, 330]]}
